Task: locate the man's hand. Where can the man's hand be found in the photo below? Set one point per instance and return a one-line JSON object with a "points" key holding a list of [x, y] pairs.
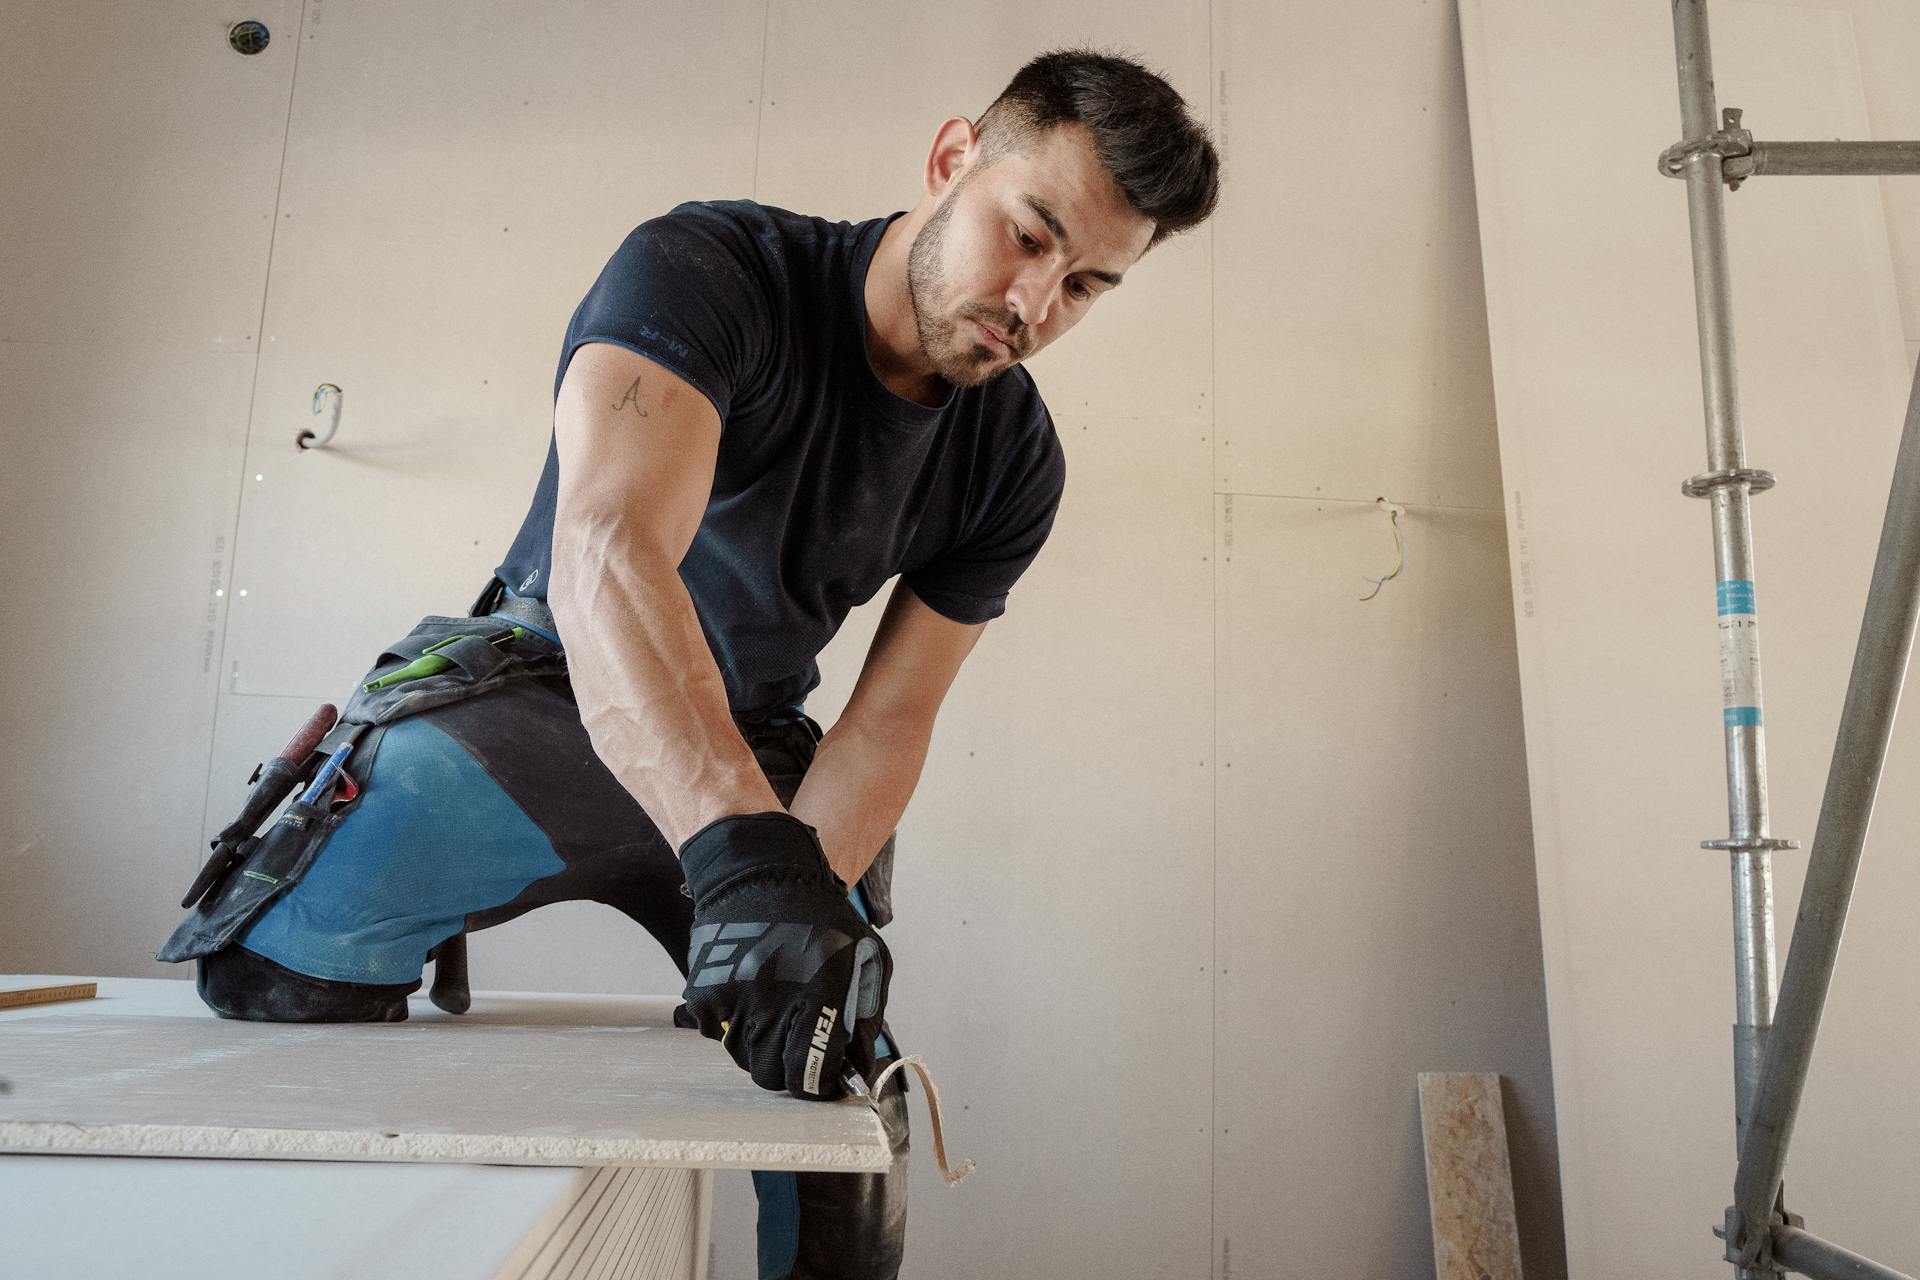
{"points": [[782, 969]]}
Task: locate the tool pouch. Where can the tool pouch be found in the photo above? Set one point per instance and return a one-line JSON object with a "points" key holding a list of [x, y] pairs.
{"points": [[272, 863], [269, 865]]}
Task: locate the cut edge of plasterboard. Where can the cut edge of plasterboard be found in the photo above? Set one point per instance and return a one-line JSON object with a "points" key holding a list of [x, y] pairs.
{"points": [[209, 1141]]}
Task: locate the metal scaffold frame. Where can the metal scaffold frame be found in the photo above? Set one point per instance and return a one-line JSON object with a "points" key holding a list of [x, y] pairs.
{"points": [[1774, 1038]]}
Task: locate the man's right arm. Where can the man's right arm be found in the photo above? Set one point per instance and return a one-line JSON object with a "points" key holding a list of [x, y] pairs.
{"points": [[637, 446]]}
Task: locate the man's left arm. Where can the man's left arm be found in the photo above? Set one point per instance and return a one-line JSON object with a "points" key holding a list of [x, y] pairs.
{"points": [[870, 761]]}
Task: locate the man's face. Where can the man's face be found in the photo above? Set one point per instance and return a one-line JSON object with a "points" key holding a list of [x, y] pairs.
{"points": [[1016, 253]]}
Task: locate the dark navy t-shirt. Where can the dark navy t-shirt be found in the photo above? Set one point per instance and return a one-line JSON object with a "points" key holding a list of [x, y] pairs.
{"points": [[827, 484]]}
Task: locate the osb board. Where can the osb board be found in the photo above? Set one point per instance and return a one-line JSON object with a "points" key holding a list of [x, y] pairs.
{"points": [[451, 1091], [1591, 304], [1469, 1179]]}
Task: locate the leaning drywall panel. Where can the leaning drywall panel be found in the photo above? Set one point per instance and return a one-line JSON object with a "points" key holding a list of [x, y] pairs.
{"points": [[855, 146], [447, 203], [1592, 316], [1375, 900], [141, 152], [1351, 356], [119, 497]]}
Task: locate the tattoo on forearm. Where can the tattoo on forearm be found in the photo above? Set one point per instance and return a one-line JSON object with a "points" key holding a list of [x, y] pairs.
{"points": [[633, 398]]}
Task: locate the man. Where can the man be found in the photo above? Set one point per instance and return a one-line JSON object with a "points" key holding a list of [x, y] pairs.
{"points": [[759, 419]]}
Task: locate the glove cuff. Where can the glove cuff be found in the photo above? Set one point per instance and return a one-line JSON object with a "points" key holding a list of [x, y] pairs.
{"points": [[753, 845]]}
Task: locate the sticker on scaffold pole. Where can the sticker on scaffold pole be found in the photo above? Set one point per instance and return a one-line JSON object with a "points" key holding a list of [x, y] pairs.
{"points": [[1739, 653]]}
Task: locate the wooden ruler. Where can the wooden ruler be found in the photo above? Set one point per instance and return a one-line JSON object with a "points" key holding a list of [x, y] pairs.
{"points": [[22, 996]]}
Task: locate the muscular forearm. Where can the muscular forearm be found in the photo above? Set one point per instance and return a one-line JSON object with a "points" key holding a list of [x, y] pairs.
{"points": [[650, 694], [859, 786]]}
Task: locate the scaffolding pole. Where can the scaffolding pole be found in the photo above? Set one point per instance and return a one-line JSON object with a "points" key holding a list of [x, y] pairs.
{"points": [[1773, 1046], [1846, 809]]}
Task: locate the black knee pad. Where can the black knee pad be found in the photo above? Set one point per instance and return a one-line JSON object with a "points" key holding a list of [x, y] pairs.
{"points": [[238, 983]]}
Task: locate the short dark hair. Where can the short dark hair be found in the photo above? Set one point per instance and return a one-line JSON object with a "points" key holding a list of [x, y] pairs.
{"points": [[1161, 157]]}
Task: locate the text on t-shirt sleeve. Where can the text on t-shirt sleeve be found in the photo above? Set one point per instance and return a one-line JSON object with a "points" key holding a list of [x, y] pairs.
{"points": [[682, 291]]}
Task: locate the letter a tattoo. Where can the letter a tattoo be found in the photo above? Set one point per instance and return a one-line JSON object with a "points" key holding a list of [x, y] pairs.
{"points": [[633, 398]]}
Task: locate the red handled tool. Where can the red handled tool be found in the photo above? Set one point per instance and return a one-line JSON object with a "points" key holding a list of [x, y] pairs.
{"points": [[272, 781]]}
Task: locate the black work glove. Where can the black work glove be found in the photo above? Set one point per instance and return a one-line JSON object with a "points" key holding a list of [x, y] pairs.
{"points": [[782, 969]]}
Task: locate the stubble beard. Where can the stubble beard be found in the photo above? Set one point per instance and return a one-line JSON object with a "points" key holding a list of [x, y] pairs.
{"points": [[955, 354]]}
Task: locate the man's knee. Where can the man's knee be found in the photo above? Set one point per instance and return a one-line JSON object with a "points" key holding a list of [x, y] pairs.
{"points": [[238, 983]]}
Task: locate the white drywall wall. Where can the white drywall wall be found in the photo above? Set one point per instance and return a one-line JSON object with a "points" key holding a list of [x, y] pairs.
{"points": [[142, 155]]}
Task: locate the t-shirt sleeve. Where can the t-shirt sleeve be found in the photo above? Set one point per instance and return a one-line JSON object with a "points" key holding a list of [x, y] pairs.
{"points": [[683, 291], [969, 583]]}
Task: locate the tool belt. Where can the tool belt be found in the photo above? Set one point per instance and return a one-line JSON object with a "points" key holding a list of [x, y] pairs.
{"points": [[442, 660]]}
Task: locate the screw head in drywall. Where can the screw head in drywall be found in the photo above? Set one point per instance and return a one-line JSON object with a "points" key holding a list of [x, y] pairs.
{"points": [[248, 37]]}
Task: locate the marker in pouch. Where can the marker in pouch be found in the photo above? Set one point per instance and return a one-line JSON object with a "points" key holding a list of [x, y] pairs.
{"points": [[323, 781]]}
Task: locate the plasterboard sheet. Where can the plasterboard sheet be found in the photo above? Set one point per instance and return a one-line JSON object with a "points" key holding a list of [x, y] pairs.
{"points": [[1599, 408], [446, 204], [192, 1219], [141, 153], [1375, 906], [1350, 359], [119, 500], [573, 1095], [1143, 351]]}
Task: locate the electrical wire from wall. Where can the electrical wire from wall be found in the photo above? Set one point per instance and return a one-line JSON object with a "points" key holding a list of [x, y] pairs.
{"points": [[1394, 512]]}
